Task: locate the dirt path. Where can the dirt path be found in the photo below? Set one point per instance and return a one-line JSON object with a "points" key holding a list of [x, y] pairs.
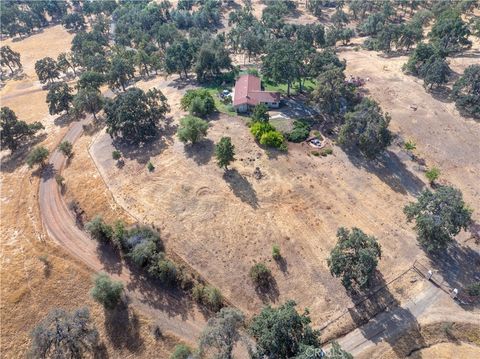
{"points": [[432, 304], [172, 311]]}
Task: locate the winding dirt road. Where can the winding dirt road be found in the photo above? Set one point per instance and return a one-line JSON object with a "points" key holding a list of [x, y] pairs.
{"points": [[172, 311]]}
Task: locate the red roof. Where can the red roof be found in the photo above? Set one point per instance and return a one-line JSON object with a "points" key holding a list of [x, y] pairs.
{"points": [[248, 90]]}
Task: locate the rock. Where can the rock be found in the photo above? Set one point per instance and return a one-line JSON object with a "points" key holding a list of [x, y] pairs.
{"points": [[257, 173]]}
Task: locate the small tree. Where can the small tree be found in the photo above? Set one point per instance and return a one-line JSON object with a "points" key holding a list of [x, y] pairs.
{"points": [[276, 252], [13, 131], [439, 216], [260, 113], [47, 70], [436, 72], [66, 148], [106, 291], [192, 129], [181, 351], [64, 335], [116, 155], [224, 152], [354, 258], [59, 98], [432, 175], [99, 230], [150, 166], [163, 269], [260, 275], [37, 156], [221, 333], [60, 180]]}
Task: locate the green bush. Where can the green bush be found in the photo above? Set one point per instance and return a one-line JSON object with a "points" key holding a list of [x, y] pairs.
{"points": [[198, 102], [106, 291], [276, 252], [66, 148], [192, 129], [181, 351], [116, 155], [38, 156], [326, 151], [272, 139], [142, 245], [99, 230], [315, 153], [432, 174], [259, 128], [260, 275], [474, 289], [299, 133], [207, 295], [163, 269], [150, 166]]}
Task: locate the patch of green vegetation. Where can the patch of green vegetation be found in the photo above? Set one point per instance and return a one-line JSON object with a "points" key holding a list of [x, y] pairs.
{"points": [[308, 86], [221, 106]]}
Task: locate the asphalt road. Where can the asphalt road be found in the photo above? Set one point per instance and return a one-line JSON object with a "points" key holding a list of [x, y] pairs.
{"points": [[172, 311]]}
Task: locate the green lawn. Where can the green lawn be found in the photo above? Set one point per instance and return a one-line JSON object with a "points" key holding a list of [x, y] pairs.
{"points": [[308, 86], [214, 91]]}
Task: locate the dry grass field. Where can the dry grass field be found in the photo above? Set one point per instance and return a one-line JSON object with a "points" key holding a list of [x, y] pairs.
{"points": [[221, 223], [29, 290]]}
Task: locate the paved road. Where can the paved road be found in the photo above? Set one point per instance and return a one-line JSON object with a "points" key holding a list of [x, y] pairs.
{"points": [[387, 325], [172, 311]]}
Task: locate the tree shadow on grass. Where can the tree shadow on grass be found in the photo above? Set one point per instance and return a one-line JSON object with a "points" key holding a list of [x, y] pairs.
{"points": [[143, 152], [241, 187], [63, 120], [379, 316], [388, 168], [268, 293], [200, 152], [100, 352], [46, 172], [11, 162], [122, 327], [181, 82], [282, 264], [153, 292], [458, 265], [110, 258]]}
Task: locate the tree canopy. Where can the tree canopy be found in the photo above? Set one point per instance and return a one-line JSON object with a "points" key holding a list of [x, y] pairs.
{"points": [[198, 102], [9, 58], [281, 332], [47, 70], [13, 131], [366, 128], [37, 156], [64, 335], [354, 258], [466, 91], [59, 98], [134, 116], [106, 291], [439, 216]]}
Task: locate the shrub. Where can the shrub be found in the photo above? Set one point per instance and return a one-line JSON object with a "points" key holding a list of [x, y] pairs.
{"points": [[116, 155], [181, 351], [207, 295], [432, 174], [59, 179], [260, 113], [106, 291], [66, 148], [99, 230], [272, 139], [315, 153], [198, 102], [300, 132], [142, 245], [260, 128], [474, 289], [150, 166], [192, 129], [326, 151], [260, 275], [276, 252], [410, 145], [163, 269]]}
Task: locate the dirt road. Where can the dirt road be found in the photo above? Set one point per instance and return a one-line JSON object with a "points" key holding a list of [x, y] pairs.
{"points": [[171, 311]]}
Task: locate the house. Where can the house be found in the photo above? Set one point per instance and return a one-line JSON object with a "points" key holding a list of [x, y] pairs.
{"points": [[248, 93]]}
